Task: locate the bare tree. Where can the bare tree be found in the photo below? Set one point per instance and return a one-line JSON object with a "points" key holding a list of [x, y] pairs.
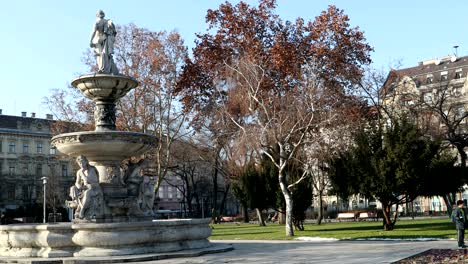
{"points": [[329, 141], [279, 123]]}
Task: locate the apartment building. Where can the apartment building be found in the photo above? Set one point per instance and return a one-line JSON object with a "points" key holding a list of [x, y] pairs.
{"points": [[25, 157]]}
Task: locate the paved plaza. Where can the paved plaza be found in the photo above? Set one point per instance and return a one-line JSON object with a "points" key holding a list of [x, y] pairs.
{"points": [[263, 252]]}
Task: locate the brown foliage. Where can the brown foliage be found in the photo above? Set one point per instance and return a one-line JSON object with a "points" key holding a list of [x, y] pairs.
{"points": [[282, 49]]}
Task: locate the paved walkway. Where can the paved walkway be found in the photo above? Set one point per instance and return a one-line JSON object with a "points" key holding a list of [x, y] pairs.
{"points": [[288, 252]]}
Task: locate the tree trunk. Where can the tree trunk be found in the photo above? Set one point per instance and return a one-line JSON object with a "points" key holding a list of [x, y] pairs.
{"points": [[320, 208], [189, 208], [407, 206], [214, 206], [261, 221], [222, 206], [449, 200], [387, 219], [289, 203], [198, 205], [245, 212], [281, 218], [188, 197]]}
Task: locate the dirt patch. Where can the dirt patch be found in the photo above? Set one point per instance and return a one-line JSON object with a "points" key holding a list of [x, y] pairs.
{"points": [[437, 256]]}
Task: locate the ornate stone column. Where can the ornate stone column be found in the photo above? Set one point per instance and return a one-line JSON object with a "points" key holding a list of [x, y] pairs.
{"points": [[104, 116]]}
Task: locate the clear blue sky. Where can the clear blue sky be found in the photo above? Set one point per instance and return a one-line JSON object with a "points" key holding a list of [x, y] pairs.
{"points": [[42, 42]]}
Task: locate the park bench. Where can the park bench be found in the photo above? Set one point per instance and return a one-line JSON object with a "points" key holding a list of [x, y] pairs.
{"points": [[228, 218], [367, 215], [345, 216]]}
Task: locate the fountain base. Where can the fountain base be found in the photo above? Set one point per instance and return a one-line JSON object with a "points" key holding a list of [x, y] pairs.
{"points": [[103, 239]]}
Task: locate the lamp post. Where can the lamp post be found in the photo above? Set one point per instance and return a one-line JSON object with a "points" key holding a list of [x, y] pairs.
{"points": [[44, 182]]}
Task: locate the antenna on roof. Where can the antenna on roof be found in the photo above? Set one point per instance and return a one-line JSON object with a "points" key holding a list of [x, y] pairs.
{"points": [[456, 50]]}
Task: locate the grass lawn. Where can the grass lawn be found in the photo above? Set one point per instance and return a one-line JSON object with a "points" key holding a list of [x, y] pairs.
{"points": [[427, 228]]}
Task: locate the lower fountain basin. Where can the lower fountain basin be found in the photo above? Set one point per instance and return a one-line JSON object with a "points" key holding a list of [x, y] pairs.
{"points": [[103, 239], [104, 145]]}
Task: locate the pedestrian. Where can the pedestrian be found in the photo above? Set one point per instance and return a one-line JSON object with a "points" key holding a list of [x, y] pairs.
{"points": [[459, 218], [2, 219]]}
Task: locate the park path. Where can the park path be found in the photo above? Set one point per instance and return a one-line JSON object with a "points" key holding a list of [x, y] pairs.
{"points": [[289, 252]]}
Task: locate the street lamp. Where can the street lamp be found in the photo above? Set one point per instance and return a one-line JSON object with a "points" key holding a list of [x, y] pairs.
{"points": [[44, 182]]}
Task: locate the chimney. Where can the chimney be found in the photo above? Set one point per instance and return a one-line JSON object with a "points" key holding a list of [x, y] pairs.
{"points": [[49, 117], [23, 114], [33, 115]]}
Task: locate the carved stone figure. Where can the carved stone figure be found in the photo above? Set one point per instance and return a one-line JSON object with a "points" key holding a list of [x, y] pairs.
{"points": [[102, 40], [147, 195], [132, 178], [86, 193]]}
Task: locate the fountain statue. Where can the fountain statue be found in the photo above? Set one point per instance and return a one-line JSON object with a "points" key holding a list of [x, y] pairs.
{"points": [[113, 207]]}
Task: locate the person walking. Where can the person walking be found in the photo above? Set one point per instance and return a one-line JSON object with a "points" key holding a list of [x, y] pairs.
{"points": [[3, 219], [460, 220]]}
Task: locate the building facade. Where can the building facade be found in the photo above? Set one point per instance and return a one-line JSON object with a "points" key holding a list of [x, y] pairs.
{"points": [[436, 91], [439, 84], [429, 83], [25, 157]]}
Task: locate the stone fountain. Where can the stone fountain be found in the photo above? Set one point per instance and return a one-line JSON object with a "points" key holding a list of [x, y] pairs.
{"points": [[110, 219]]}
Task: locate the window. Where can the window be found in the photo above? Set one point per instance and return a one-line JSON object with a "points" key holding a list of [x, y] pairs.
{"points": [[25, 170], [443, 75], [11, 192], [25, 148], [429, 80], [39, 190], [456, 91], [459, 112], [458, 73], [39, 147], [12, 147], [11, 170], [64, 170], [179, 193], [53, 151], [39, 170], [427, 97], [169, 192], [160, 194], [1, 145], [26, 193]]}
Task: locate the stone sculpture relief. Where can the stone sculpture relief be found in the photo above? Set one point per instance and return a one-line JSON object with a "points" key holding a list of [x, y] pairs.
{"points": [[102, 41], [104, 115], [146, 196], [112, 173], [86, 194], [132, 177]]}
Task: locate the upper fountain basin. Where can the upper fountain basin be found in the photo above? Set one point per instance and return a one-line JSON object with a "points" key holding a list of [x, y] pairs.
{"points": [[101, 146], [106, 87]]}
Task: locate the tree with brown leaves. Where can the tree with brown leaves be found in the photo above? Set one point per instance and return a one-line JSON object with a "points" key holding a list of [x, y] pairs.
{"points": [[272, 78]]}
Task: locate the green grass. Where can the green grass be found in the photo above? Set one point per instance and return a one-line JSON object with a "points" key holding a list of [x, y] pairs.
{"points": [[432, 228]]}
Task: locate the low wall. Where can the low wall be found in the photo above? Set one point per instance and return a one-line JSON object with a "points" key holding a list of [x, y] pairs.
{"points": [[103, 239]]}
